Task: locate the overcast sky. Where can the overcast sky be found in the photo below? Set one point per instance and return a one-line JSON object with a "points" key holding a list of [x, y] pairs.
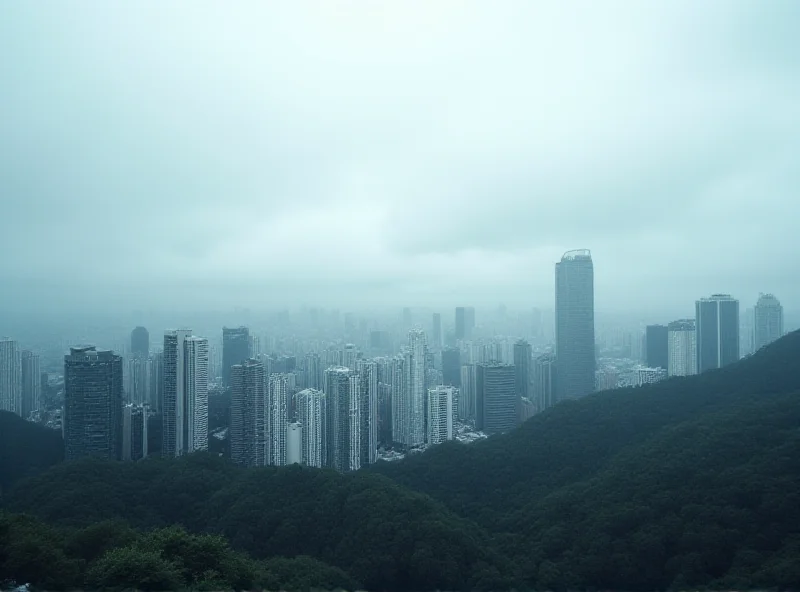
{"points": [[194, 154]]}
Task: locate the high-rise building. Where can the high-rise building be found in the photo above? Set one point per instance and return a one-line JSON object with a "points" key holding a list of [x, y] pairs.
{"points": [[575, 347], [343, 394], [385, 414], [247, 433], [255, 347], [657, 346], [235, 350], [313, 371], [768, 320], [92, 404], [416, 372], [185, 393], [368, 408], [156, 374], [442, 401], [545, 381], [140, 342], [277, 418], [31, 383], [451, 366], [522, 368], [468, 393], [137, 387], [465, 322], [682, 348], [349, 356], [436, 332], [398, 386], [195, 424], [294, 443], [134, 432], [10, 376], [311, 415], [717, 326], [496, 397]]}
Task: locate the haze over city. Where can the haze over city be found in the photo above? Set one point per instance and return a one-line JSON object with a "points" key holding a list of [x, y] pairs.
{"points": [[193, 156]]}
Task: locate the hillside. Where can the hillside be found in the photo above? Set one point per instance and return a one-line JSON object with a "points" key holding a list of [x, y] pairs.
{"points": [[381, 535], [686, 482], [25, 448]]}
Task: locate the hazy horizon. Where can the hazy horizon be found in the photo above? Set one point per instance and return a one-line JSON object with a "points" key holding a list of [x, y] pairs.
{"points": [[194, 156]]}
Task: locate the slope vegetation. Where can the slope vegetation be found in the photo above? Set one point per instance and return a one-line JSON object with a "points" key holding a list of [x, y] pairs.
{"points": [[25, 448], [692, 481]]}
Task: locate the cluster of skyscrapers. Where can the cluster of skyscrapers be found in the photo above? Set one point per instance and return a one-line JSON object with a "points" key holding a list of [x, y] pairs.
{"points": [[336, 408]]}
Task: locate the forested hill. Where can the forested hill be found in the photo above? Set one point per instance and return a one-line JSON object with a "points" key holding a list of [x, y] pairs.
{"points": [[25, 448], [686, 482]]}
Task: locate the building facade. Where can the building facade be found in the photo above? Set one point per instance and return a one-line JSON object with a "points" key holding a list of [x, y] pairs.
{"points": [[10, 376], [682, 360], [442, 406], [247, 428], [134, 432], [416, 373], [343, 422], [575, 343], [310, 405], [31, 383], [717, 327], [277, 419], [545, 381], [92, 421], [522, 368], [497, 405], [140, 342], [657, 346], [235, 350], [768, 321]]}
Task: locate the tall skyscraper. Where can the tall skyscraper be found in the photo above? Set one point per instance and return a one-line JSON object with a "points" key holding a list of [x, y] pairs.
{"points": [[717, 325], [31, 383], [496, 397], [468, 393], [10, 376], [247, 433], [140, 342], [92, 404], [368, 408], [465, 322], [343, 394], [575, 347], [657, 347], [235, 350], [682, 348], [398, 386], [416, 371], [277, 418], [137, 387], [349, 356], [313, 371], [522, 368], [311, 415], [451, 366], [768, 320], [195, 424], [185, 393], [436, 332], [134, 432], [545, 382], [385, 414], [156, 374], [441, 413]]}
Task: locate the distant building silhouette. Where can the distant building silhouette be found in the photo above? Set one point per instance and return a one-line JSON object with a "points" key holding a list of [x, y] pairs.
{"points": [[522, 368], [768, 320], [436, 332], [468, 394], [31, 383], [657, 346], [134, 432], [451, 366], [235, 350], [368, 411], [140, 342], [92, 404], [717, 326], [575, 345], [545, 381], [10, 376]]}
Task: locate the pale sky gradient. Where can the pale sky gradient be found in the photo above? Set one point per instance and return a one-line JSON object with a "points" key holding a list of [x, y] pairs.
{"points": [[213, 154]]}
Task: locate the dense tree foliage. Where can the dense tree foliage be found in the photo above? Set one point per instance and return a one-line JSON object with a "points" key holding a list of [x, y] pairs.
{"points": [[25, 448], [112, 556], [692, 481], [689, 483], [382, 535]]}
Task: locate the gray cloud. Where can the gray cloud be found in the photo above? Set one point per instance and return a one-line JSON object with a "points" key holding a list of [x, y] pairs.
{"points": [[353, 152]]}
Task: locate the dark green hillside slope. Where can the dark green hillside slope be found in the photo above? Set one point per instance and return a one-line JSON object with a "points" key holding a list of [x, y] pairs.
{"points": [[688, 482], [382, 535], [26, 448]]}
